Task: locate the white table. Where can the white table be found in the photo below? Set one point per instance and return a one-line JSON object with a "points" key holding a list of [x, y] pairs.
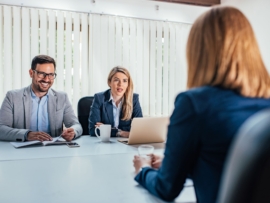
{"points": [[89, 146], [95, 172]]}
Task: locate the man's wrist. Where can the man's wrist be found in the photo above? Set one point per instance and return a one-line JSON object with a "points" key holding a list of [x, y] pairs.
{"points": [[26, 135]]}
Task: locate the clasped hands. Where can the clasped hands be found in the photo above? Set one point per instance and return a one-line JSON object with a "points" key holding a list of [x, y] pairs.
{"points": [[68, 134], [153, 161]]}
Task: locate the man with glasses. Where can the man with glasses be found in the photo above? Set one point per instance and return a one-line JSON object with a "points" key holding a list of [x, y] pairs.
{"points": [[38, 112]]}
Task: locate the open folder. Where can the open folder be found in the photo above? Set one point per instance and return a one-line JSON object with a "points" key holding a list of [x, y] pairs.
{"points": [[35, 142]]}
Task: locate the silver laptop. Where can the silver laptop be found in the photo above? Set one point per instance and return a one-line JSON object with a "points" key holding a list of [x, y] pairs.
{"points": [[147, 130]]}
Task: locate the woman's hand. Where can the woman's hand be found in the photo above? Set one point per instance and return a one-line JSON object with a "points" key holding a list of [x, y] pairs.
{"points": [[98, 124], [139, 162], [124, 134], [156, 160]]}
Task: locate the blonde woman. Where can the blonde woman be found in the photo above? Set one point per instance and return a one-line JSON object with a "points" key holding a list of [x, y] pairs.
{"points": [[227, 83], [116, 106]]}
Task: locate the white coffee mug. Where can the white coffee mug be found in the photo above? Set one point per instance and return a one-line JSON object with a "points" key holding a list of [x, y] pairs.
{"points": [[105, 132]]}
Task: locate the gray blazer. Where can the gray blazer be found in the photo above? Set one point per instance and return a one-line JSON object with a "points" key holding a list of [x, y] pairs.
{"points": [[15, 114]]}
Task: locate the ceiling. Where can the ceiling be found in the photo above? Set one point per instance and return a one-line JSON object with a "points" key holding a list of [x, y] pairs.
{"points": [[193, 2]]}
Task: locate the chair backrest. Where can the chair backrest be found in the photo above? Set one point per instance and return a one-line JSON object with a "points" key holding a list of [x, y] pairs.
{"points": [[84, 106], [246, 176]]}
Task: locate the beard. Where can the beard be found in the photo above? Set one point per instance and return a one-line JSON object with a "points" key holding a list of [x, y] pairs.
{"points": [[40, 88]]}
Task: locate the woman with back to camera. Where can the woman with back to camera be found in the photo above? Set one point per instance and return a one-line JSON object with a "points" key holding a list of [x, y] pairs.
{"points": [[116, 106], [227, 83]]}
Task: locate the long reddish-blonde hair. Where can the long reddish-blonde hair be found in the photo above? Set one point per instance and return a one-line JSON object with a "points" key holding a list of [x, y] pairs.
{"points": [[222, 51], [127, 107]]}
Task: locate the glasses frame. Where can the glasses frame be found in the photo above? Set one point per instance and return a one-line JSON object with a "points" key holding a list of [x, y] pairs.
{"points": [[43, 75]]}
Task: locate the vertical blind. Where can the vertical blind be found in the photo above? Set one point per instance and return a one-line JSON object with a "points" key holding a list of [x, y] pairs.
{"points": [[86, 47]]}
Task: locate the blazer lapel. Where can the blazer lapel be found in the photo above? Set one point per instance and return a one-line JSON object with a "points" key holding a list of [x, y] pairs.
{"points": [[52, 112], [109, 111], [27, 103], [109, 107]]}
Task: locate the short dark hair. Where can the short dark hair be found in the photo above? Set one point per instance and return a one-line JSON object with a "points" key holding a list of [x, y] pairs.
{"points": [[42, 59]]}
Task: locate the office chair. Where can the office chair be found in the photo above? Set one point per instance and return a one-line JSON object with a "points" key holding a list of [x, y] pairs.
{"points": [[83, 110], [246, 176]]}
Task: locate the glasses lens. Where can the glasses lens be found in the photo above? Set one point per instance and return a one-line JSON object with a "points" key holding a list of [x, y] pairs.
{"points": [[43, 75], [51, 76]]}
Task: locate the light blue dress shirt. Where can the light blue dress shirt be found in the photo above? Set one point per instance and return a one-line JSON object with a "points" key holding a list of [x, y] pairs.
{"points": [[39, 114], [116, 111]]}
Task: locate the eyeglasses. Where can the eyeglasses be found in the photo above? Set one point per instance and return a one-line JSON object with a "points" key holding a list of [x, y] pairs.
{"points": [[43, 75]]}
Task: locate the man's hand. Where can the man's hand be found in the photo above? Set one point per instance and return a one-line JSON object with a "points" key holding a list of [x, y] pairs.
{"points": [[68, 134], [40, 136], [139, 162]]}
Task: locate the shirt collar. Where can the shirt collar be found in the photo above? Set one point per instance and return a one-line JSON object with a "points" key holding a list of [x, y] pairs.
{"points": [[111, 99], [34, 96]]}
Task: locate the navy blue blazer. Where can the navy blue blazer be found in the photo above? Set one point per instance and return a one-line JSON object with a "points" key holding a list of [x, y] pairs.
{"points": [[102, 111], [202, 126]]}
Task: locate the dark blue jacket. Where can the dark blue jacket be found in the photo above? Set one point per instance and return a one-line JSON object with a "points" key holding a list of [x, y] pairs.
{"points": [[102, 111], [202, 126]]}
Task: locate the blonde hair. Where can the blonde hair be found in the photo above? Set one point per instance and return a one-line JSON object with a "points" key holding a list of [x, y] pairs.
{"points": [[127, 107], [222, 51]]}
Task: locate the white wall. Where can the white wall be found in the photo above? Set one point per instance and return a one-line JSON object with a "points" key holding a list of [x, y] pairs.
{"points": [[131, 8], [257, 11]]}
